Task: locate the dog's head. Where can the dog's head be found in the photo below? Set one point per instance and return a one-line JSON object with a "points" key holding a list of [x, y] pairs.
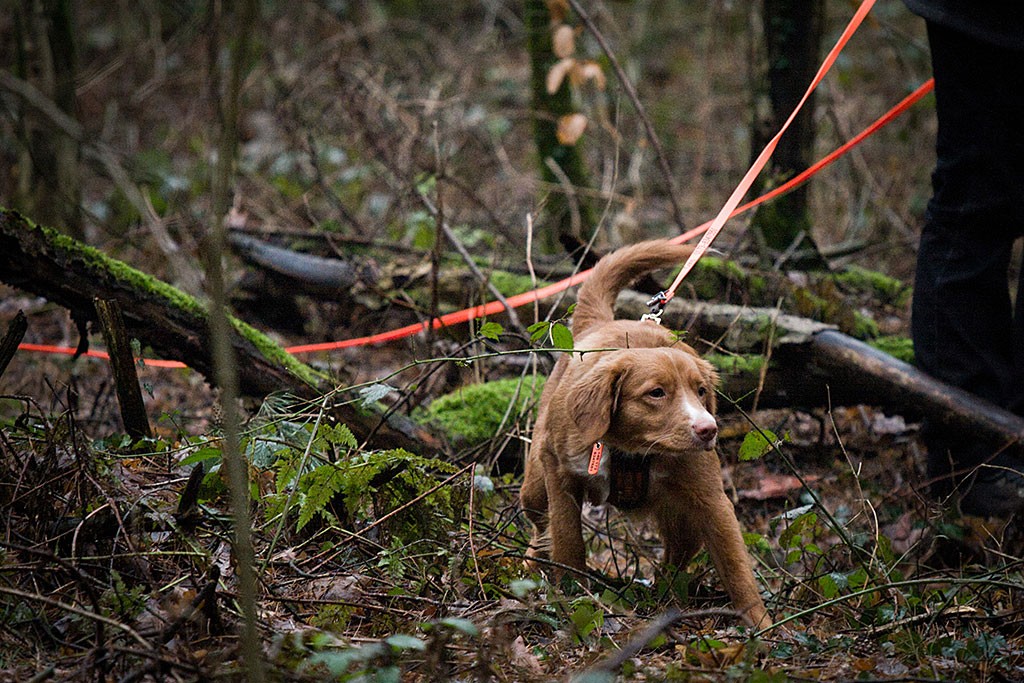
{"points": [[647, 400]]}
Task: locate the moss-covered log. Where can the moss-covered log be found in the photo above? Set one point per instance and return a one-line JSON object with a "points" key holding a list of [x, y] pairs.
{"points": [[813, 365], [175, 325]]}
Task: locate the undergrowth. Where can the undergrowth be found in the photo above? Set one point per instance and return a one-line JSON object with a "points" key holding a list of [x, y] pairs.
{"points": [[385, 565]]}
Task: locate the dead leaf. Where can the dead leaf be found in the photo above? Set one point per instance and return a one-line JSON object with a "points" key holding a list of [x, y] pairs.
{"points": [[524, 659], [588, 71], [563, 41], [558, 9], [557, 74], [863, 664], [570, 128], [774, 486]]}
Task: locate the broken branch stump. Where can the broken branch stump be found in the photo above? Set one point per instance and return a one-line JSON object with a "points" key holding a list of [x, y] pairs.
{"points": [[9, 345], [122, 364]]}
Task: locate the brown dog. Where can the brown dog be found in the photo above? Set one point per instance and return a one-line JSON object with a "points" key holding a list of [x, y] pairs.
{"points": [[634, 425]]}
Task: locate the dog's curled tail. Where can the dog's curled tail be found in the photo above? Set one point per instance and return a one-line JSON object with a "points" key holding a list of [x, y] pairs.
{"points": [[616, 271]]}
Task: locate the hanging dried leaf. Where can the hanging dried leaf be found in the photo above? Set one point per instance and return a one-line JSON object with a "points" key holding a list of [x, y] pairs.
{"points": [[557, 74], [570, 128], [558, 9], [563, 41], [588, 71]]}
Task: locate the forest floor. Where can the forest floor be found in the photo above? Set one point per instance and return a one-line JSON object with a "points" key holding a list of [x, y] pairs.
{"points": [[387, 565], [423, 577]]}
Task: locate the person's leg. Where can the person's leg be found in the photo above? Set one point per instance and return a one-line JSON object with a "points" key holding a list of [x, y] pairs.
{"points": [[1016, 402], [962, 317]]}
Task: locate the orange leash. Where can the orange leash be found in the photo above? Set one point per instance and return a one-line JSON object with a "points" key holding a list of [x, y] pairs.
{"points": [[657, 304]]}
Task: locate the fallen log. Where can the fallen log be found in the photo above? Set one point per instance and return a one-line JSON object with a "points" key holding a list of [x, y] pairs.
{"points": [[325, 277], [813, 365], [810, 364], [175, 325]]}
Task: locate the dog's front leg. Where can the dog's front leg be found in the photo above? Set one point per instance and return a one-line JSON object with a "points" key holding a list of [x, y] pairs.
{"points": [[565, 524], [724, 541]]}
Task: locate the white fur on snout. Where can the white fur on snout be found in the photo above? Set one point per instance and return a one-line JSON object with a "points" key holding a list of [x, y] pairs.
{"points": [[700, 419]]}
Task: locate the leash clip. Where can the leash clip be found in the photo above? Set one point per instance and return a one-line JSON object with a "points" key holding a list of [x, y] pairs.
{"points": [[657, 306]]}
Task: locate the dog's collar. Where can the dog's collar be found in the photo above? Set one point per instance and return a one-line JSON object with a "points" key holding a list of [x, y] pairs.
{"points": [[629, 475]]}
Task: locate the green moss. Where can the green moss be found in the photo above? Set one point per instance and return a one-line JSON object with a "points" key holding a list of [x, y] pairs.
{"points": [[275, 354], [510, 284], [98, 262], [723, 267], [757, 286], [472, 414], [875, 284], [736, 364], [864, 327], [711, 274], [900, 348], [810, 305]]}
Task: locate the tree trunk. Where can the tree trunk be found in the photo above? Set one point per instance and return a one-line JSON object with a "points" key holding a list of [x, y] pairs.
{"points": [[50, 163], [570, 215], [792, 37]]}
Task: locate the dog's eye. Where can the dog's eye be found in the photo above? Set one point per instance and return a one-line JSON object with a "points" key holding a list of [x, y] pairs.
{"points": [[656, 392], [702, 391]]}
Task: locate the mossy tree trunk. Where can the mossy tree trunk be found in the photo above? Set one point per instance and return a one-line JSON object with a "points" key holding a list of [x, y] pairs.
{"points": [[792, 39], [547, 109]]}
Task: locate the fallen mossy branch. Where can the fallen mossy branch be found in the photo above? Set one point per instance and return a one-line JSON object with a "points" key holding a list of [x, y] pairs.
{"points": [[172, 323]]}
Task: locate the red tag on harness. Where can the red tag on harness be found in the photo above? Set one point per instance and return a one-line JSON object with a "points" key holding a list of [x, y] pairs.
{"points": [[595, 458]]}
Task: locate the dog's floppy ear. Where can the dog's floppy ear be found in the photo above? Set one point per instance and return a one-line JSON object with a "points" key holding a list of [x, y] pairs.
{"points": [[593, 398], [711, 377]]}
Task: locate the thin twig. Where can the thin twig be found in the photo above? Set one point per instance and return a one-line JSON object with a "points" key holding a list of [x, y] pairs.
{"points": [[79, 611], [653, 630], [468, 258], [238, 36]]}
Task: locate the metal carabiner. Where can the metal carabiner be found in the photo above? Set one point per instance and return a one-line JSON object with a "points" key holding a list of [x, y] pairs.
{"points": [[657, 306]]}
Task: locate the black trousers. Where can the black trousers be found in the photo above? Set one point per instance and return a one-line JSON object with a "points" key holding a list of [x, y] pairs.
{"points": [[966, 329]]}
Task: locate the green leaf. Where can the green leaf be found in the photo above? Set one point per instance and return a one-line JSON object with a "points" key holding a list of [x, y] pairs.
{"points": [[586, 617], [791, 536], [374, 393], [462, 625], [491, 330], [401, 641], [339, 435], [756, 542], [757, 443], [828, 586], [522, 587], [858, 578], [538, 330], [320, 486], [202, 455], [561, 337]]}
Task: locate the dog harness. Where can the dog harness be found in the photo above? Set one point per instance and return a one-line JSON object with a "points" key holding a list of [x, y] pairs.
{"points": [[629, 475]]}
